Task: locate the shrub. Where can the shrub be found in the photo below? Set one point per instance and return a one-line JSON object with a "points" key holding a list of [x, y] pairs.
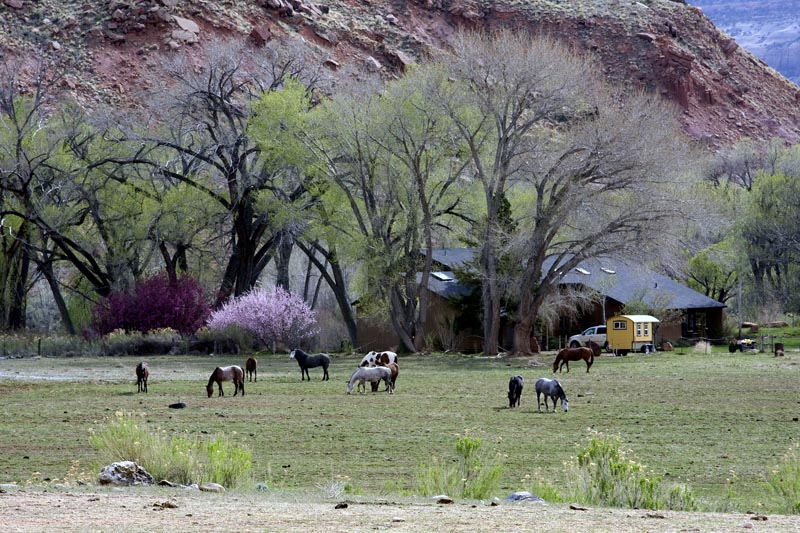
{"points": [[176, 458], [477, 475], [606, 476], [785, 481], [154, 303], [157, 342], [272, 315]]}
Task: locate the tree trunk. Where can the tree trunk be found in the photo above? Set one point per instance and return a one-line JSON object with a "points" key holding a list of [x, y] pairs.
{"points": [[285, 247], [46, 268], [336, 282]]}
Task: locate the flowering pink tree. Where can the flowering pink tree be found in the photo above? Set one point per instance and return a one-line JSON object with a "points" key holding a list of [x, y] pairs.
{"points": [[271, 315]]}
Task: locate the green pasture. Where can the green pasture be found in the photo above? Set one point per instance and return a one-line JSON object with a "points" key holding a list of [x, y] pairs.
{"points": [[717, 422]]}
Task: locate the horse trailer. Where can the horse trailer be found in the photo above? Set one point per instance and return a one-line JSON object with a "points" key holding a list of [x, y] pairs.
{"points": [[631, 333]]}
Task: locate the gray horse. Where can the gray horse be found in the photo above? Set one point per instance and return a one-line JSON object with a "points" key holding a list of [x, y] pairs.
{"points": [[551, 388], [373, 375]]}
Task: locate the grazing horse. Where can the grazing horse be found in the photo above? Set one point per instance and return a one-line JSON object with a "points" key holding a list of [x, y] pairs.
{"points": [[251, 366], [142, 373], [229, 373], [307, 361], [551, 388], [515, 391], [395, 371], [378, 358], [595, 348], [373, 375], [573, 354]]}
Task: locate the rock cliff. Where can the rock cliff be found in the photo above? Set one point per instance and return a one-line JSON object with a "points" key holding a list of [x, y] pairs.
{"points": [[724, 92]]}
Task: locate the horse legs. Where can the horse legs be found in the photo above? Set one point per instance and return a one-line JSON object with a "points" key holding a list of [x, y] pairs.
{"points": [[221, 392], [325, 376], [304, 373]]}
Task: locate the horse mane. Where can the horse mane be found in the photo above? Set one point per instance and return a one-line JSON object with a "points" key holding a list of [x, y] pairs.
{"points": [[211, 379]]}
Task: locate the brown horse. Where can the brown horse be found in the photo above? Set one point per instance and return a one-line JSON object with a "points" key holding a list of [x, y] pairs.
{"points": [[251, 365], [395, 371], [596, 349], [573, 354], [229, 373], [142, 373]]}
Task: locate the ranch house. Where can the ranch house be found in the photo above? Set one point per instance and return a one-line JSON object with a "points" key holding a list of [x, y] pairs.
{"points": [[453, 322]]}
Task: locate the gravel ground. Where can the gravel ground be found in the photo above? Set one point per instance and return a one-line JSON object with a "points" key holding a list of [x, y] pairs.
{"points": [[174, 510]]}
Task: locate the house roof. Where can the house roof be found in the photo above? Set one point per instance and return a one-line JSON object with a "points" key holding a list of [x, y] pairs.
{"points": [[453, 257], [626, 282], [446, 288], [615, 278]]}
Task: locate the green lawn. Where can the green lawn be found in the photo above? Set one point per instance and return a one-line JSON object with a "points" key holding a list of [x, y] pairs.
{"points": [[718, 422]]}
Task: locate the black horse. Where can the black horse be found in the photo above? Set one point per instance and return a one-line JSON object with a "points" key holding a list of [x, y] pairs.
{"points": [[515, 385], [307, 361]]}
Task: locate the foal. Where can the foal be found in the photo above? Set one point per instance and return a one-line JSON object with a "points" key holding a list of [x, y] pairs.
{"points": [[515, 385], [142, 373], [251, 366]]}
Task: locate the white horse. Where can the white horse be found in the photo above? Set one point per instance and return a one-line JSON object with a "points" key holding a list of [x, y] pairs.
{"points": [[373, 375]]}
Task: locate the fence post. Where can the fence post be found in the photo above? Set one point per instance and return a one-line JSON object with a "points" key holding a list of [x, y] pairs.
{"points": [[39, 347]]}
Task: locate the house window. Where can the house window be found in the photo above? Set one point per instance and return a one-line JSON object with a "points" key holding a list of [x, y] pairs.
{"points": [[638, 329], [646, 329], [620, 324]]}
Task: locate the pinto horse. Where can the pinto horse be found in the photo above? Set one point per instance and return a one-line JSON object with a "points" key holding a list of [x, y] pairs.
{"points": [[573, 354], [142, 373], [228, 373], [378, 359], [251, 366], [307, 361], [550, 388], [515, 385]]}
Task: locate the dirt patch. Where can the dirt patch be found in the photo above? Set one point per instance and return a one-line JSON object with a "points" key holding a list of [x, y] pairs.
{"points": [[158, 509]]}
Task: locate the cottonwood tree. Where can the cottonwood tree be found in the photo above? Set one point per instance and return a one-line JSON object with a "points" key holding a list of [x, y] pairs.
{"points": [[388, 157], [207, 144], [594, 171], [505, 87]]}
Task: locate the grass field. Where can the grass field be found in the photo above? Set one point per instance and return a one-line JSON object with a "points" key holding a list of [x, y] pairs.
{"points": [[717, 422]]}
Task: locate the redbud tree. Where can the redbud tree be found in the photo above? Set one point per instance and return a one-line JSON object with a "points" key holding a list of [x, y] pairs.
{"points": [[154, 303], [271, 315]]}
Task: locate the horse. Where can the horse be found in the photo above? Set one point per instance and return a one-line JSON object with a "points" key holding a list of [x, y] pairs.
{"points": [[373, 375], [551, 388], [142, 373], [251, 366], [378, 358], [307, 361], [229, 373], [395, 371], [515, 391], [596, 349], [573, 354]]}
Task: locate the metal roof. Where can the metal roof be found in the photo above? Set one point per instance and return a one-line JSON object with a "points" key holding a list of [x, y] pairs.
{"points": [[631, 282], [615, 278]]}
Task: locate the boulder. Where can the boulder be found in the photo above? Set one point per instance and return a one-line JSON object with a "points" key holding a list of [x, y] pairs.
{"points": [[124, 473]]}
